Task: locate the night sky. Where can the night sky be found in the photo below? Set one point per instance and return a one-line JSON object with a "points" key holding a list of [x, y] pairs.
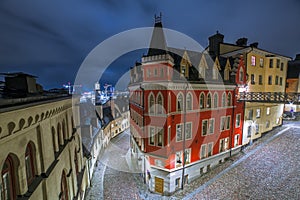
{"points": [[50, 39]]}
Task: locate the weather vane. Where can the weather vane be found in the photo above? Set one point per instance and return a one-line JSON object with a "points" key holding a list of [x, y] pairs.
{"points": [[158, 18]]}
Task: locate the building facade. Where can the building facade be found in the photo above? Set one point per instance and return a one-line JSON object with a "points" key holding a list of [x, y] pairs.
{"points": [[266, 73], [184, 115], [41, 153]]}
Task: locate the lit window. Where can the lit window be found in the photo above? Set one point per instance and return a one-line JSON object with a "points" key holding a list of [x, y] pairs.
{"points": [[268, 110], [258, 113], [261, 62], [236, 140], [253, 60], [187, 156]]}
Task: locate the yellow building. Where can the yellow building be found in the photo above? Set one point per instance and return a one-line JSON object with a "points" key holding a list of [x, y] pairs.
{"points": [[266, 73]]}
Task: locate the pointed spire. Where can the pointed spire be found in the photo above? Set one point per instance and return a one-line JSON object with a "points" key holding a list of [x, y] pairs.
{"points": [[158, 43]]}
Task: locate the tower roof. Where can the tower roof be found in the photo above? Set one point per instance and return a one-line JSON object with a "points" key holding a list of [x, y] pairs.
{"points": [[158, 43]]}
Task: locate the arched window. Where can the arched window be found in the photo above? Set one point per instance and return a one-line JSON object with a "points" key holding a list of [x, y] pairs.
{"points": [[179, 102], [63, 187], [202, 100], [76, 162], [59, 134], [64, 130], [215, 100], [8, 180], [159, 104], [151, 104], [229, 99], [29, 163], [189, 101], [224, 99], [54, 140], [208, 102], [169, 103]]}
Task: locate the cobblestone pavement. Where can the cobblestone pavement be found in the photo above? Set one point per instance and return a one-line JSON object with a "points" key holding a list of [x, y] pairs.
{"points": [[268, 169]]}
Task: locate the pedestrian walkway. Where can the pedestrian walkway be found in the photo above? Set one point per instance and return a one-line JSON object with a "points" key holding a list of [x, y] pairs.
{"points": [[233, 178]]}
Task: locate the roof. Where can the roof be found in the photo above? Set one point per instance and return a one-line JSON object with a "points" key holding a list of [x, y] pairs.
{"points": [[158, 43], [16, 74]]}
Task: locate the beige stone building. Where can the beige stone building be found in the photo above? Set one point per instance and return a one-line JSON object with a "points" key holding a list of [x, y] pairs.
{"points": [[41, 154]]}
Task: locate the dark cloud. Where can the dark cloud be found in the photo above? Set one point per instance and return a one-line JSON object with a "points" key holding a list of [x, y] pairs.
{"points": [[50, 39]]}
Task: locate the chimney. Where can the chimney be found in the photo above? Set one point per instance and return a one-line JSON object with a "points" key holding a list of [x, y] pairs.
{"points": [[214, 43], [254, 44], [242, 42]]}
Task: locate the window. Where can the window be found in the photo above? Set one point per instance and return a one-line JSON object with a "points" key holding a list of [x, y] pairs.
{"points": [[179, 132], [256, 128], [258, 113], [179, 102], [276, 80], [270, 80], [183, 70], [222, 123], [229, 99], [228, 122], [178, 158], [236, 140], [151, 104], [281, 66], [277, 63], [204, 127], [187, 156], [189, 101], [215, 100], [224, 144], [160, 137], [159, 163], [241, 75], [151, 135], [148, 73], [211, 126], [76, 162], [159, 104], [224, 99], [208, 103], [238, 120], [169, 135], [253, 60], [63, 187], [252, 79], [250, 114], [177, 182], [155, 72], [268, 110], [210, 149], [169, 103], [201, 100], [188, 131], [261, 62], [8, 180], [29, 163], [161, 72], [271, 63], [280, 81], [203, 151], [260, 80], [267, 124]]}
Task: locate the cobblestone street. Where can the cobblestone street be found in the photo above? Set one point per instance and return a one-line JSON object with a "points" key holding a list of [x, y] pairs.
{"points": [[268, 169]]}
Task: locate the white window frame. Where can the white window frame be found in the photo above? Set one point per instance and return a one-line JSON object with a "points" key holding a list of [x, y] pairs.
{"points": [[203, 152], [179, 125], [202, 122], [209, 126], [238, 120]]}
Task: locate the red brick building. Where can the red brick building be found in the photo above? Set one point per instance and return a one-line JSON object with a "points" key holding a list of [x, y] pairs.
{"points": [[185, 118]]}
